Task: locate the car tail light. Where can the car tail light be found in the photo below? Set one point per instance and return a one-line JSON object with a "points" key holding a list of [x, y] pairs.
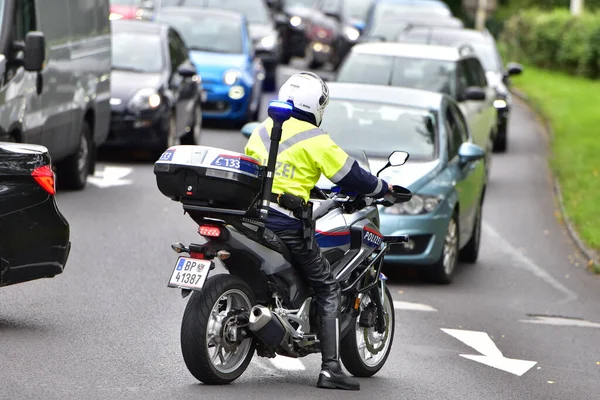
{"points": [[209, 230], [44, 176]]}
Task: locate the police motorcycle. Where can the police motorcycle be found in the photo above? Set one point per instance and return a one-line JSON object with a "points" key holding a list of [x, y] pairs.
{"points": [[264, 304]]}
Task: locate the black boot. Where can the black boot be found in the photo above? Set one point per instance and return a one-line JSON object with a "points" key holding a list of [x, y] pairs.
{"points": [[332, 376]]}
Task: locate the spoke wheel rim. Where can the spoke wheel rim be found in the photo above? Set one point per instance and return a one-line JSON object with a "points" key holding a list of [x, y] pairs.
{"points": [[225, 356], [369, 337], [450, 247]]}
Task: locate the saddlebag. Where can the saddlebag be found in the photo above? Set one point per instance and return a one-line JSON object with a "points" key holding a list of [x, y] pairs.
{"points": [[209, 177]]}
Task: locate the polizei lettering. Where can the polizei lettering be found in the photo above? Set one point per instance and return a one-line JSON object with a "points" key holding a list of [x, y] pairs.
{"points": [[286, 170], [372, 239]]}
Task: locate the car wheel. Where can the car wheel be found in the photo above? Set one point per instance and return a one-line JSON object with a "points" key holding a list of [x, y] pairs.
{"points": [[193, 136], [501, 140], [72, 172], [443, 270], [470, 252]]}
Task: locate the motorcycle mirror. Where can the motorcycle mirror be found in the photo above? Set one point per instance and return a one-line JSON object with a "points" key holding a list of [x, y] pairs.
{"points": [[398, 158], [395, 159]]}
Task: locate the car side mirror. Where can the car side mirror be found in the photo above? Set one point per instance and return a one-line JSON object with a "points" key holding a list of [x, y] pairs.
{"points": [[469, 152], [395, 159], [34, 51], [514, 69], [474, 93], [249, 128], [186, 70]]}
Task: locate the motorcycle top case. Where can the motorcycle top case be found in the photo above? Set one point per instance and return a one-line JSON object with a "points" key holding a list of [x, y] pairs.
{"points": [[209, 177]]}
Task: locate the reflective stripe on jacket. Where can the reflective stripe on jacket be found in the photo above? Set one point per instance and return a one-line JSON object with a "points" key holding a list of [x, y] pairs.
{"points": [[306, 152]]}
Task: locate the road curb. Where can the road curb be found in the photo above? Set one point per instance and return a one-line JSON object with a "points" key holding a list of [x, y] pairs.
{"points": [[593, 258]]}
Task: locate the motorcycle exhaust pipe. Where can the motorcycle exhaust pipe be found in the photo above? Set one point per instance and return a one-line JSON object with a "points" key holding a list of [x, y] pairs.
{"points": [[267, 327]]}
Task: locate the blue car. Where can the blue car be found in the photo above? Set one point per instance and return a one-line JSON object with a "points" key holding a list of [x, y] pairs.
{"points": [[445, 171], [221, 49]]}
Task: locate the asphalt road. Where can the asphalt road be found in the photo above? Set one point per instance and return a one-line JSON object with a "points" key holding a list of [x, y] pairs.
{"points": [[108, 328]]}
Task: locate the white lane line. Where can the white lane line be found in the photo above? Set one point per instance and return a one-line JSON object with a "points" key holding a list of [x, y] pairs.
{"points": [[405, 305], [490, 354], [287, 363], [111, 176], [562, 322], [528, 264]]}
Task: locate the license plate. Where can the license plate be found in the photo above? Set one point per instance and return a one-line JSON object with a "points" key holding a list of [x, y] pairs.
{"points": [[189, 273]]}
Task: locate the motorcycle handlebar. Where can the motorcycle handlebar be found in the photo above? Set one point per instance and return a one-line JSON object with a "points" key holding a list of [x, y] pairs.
{"points": [[398, 195]]}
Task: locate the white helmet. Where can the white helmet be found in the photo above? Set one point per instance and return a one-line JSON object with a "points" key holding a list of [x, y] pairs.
{"points": [[307, 92]]}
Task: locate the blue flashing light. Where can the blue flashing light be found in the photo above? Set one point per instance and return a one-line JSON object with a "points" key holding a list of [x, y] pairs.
{"points": [[280, 111]]}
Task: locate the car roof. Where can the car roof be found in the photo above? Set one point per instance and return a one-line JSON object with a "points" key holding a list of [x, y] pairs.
{"points": [[416, 50], [461, 34], [394, 95], [417, 3], [217, 12], [138, 26]]}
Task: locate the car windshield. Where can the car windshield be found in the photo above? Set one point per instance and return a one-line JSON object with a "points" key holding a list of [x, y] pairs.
{"points": [[357, 9], [132, 51], [488, 56], [379, 128], [301, 3], [416, 73], [403, 10], [255, 10], [206, 32]]}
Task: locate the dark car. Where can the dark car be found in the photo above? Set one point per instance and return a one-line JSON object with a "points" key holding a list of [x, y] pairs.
{"points": [[263, 29], [155, 94], [484, 46], [292, 17], [34, 235], [344, 19]]}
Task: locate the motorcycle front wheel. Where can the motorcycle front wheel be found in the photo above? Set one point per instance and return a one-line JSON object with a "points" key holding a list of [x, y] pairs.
{"points": [[211, 351], [364, 351]]}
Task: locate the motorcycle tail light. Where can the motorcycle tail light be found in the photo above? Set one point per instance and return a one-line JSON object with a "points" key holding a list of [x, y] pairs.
{"points": [[209, 230], [44, 176]]}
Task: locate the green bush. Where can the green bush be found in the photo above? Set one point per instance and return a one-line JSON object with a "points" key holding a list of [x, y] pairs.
{"points": [[555, 40]]}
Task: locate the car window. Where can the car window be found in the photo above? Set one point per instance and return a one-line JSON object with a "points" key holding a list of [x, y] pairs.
{"points": [[206, 32], [455, 137], [132, 51], [461, 123], [23, 22], [466, 78], [416, 73], [177, 49], [478, 72], [256, 11], [379, 128], [356, 9]]}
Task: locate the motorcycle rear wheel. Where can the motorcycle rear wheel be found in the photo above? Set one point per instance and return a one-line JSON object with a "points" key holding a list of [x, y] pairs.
{"points": [[358, 359], [204, 327]]}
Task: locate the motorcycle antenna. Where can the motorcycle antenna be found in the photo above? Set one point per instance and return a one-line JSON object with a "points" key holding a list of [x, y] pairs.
{"points": [[279, 112]]}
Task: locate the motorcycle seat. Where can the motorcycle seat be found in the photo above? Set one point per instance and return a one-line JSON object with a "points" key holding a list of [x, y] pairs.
{"points": [[274, 242]]}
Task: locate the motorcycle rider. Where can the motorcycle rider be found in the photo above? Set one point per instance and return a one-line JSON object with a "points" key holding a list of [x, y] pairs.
{"points": [[306, 152]]}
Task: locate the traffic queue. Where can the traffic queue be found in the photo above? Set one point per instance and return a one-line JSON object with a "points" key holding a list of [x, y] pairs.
{"points": [[406, 71]]}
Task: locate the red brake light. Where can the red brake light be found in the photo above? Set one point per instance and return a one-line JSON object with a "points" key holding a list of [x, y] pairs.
{"points": [[44, 176], [209, 230]]}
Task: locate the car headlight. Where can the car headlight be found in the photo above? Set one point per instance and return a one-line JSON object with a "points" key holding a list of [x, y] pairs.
{"points": [[231, 76], [351, 33], [114, 16], [500, 103], [295, 21], [419, 204], [268, 42], [144, 99]]}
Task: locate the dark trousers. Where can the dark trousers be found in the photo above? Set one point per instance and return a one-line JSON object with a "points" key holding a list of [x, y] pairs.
{"points": [[316, 269]]}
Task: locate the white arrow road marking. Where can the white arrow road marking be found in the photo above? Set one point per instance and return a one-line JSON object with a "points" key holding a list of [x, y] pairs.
{"points": [[405, 305], [287, 363], [492, 356], [111, 176], [562, 322]]}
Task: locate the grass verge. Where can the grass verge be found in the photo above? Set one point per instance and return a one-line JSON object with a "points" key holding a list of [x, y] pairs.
{"points": [[572, 107]]}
